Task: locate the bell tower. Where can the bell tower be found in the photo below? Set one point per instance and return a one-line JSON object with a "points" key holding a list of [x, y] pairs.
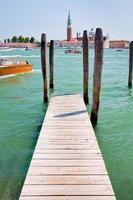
{"points": [[69, 28]]}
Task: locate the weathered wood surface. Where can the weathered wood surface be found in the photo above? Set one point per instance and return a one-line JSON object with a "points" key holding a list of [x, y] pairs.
{"points": [[44, 66], [69, 198], [67, 163], [51, 64], [130, 65], [98, 63], [85, 66]]}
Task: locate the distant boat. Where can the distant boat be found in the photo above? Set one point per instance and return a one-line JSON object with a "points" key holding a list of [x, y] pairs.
{"points": [[14, 67], [119, 50], [28, 48], [73, 50]]}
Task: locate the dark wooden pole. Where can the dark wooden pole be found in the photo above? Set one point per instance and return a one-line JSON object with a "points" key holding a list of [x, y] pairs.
{"points": [[44, 66], [98, 63], [85, 67], [130, 64], [51, 63]]}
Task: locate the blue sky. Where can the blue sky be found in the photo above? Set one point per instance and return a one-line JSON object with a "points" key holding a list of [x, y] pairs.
{"points": [[33, 17]]}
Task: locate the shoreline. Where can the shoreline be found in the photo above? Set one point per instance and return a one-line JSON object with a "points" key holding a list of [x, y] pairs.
{"points": [[18, 45]]}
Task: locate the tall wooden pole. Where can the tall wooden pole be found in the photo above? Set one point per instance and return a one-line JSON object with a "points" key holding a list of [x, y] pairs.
{"points": [[98, 63], [44, 66], [51, 63], [130, 64], [85, 67]]}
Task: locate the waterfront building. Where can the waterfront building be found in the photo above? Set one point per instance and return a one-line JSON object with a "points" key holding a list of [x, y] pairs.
{"points": [[18, 45], [119, 44], [77, 41]]}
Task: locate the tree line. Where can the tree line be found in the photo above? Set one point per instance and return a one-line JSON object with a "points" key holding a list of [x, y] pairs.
{"points": [[20, 39]]}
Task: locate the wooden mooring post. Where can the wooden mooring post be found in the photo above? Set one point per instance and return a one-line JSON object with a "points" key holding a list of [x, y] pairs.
{"points": [[51, 64], [85, 67], [44, 66], [130, 64], [98, 63]]}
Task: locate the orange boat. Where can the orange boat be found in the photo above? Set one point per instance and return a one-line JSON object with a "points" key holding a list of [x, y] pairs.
{"points": [[10, 67]]}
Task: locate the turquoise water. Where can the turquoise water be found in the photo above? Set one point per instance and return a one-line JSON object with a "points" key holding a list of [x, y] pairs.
{"points": [[22, 112]]}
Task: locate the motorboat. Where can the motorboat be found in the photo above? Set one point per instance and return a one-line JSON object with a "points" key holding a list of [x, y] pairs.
{"points": [[73, 50], [14, 67]]}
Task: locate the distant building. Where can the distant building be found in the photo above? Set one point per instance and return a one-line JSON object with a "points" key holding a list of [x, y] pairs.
{"points": [[91, 39], [77, 41], [69, 28], [119, 44], [106, 42]]}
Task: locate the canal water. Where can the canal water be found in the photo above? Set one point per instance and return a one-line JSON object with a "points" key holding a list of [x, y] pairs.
{"points": [[22, 111]]}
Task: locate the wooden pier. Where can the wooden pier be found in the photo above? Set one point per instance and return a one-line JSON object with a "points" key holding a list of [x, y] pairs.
{"points": [[67, 163]]}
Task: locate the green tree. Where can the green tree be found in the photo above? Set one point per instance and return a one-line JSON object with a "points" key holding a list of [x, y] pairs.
{"points": [[14, 39], [8, 40], [32, 40], [20, 39], [5, 40], [26, 39]]}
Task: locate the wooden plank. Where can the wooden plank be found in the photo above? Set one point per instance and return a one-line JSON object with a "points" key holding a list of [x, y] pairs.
{"points": [[67, 151], [72, 142], [69, 180], [67, 170], [64, 126], [66, 146], [65, 122], [67, 163], [65, 131], [68, 142], [75, 131], [66, 137], [67, 156], [67, 197], [47, 190]]}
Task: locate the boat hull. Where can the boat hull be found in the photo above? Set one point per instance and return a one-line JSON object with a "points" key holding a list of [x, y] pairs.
{"points": [[15, 69]]}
